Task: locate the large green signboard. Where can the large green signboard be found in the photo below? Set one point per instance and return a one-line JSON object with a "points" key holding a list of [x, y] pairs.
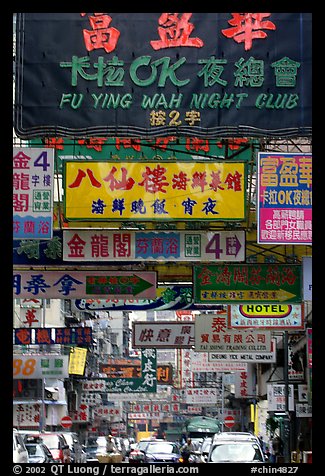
{"points": [[146, 383], [247, 283]]}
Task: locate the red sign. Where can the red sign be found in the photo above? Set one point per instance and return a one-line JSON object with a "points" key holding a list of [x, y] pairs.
{"points": [[229, 421], [66, 422]]}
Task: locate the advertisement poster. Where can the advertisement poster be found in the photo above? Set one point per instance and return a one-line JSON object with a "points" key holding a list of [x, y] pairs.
{"points": [[284, 198]]}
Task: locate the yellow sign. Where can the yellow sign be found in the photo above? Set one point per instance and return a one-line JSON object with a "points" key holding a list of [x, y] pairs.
{"points": [[77, 360], [265, 310], [154, 190]]}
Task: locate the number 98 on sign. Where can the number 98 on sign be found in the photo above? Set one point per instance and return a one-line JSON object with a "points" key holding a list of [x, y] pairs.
{"points": [[40, 366]]}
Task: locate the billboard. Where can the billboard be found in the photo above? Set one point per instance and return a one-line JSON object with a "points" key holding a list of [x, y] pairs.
{"points": [[104, 191], [161, 74], [284, 206]]}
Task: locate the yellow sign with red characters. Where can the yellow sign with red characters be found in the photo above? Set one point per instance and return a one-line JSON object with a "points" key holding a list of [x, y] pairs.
{"points": [[101, 190]]}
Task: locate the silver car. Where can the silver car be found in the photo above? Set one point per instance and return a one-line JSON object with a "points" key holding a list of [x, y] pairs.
{"points": [[238, 448]]}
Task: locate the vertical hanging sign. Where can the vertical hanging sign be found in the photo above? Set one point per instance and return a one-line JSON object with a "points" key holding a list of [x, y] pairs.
{"points": [[285, 198], [33, 171]]}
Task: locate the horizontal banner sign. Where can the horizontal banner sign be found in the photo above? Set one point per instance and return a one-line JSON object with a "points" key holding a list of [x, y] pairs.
{"points": [[200, 363], [247, 283], [40, 366], [168, 148], [54, 335], [158, 74], [81, 284], [266, 316], [168, 298], [163, 334], [246, 358], [105, 190], [101, 245], [206, 395], [211, 336]]}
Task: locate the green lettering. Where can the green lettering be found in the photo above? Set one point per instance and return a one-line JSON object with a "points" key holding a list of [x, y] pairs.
{"points": [[240, 97], [72, 99], [293, 101], [260, 101], [138, 63], [168, 71]]}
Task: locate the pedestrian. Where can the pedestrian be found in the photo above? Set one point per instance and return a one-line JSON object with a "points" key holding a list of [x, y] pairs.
{"points": [[186, 450], [110, 445], [277, 446], [183, 439]]}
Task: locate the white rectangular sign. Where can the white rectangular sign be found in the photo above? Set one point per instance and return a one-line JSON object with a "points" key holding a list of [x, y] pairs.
{"points": [[253, 357], [205, 395], [303, 410], [210, 336], [104, 245], [276, 398], [200, 363], [163, 334], [266, 316], [40, 366], [244, 383]]}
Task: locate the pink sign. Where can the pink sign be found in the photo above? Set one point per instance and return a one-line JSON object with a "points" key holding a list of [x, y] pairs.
{"points": [[284, 198]]}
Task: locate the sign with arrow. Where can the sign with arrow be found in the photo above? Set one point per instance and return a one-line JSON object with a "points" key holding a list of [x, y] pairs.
{"points": [[144, 245], [266, 316], [253, 283], [70, 284]]}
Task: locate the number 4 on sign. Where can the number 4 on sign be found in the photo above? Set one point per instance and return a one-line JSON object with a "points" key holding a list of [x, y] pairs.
{"points": [[232, 246], [214, 246]]}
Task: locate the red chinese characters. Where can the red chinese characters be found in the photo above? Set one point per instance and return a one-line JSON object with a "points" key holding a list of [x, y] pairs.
{"points": [[101, 35], [247, 27], [175, 31]]}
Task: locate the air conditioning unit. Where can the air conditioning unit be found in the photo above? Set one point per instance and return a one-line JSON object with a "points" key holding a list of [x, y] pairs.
{"points": [[52, 393]]}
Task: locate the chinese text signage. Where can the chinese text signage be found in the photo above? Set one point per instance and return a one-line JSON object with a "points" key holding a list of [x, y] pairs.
{"points": [[253, 283], [163, 334], [154, 191], [103, 245], [285, 198], [159, 74], [52, 335], [266, 316], [156, 149], [40, 366], [147, 383], [78, 284], [212, 335], [33, 175]]}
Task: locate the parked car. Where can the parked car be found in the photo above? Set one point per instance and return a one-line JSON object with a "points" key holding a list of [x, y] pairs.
{"points": [[76, 450], [39, 453], [20, 453], [235, 448], [55, 442], [162, 452]]}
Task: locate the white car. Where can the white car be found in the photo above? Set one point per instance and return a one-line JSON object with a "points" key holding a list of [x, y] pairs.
{"points": [[20, 453]]}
